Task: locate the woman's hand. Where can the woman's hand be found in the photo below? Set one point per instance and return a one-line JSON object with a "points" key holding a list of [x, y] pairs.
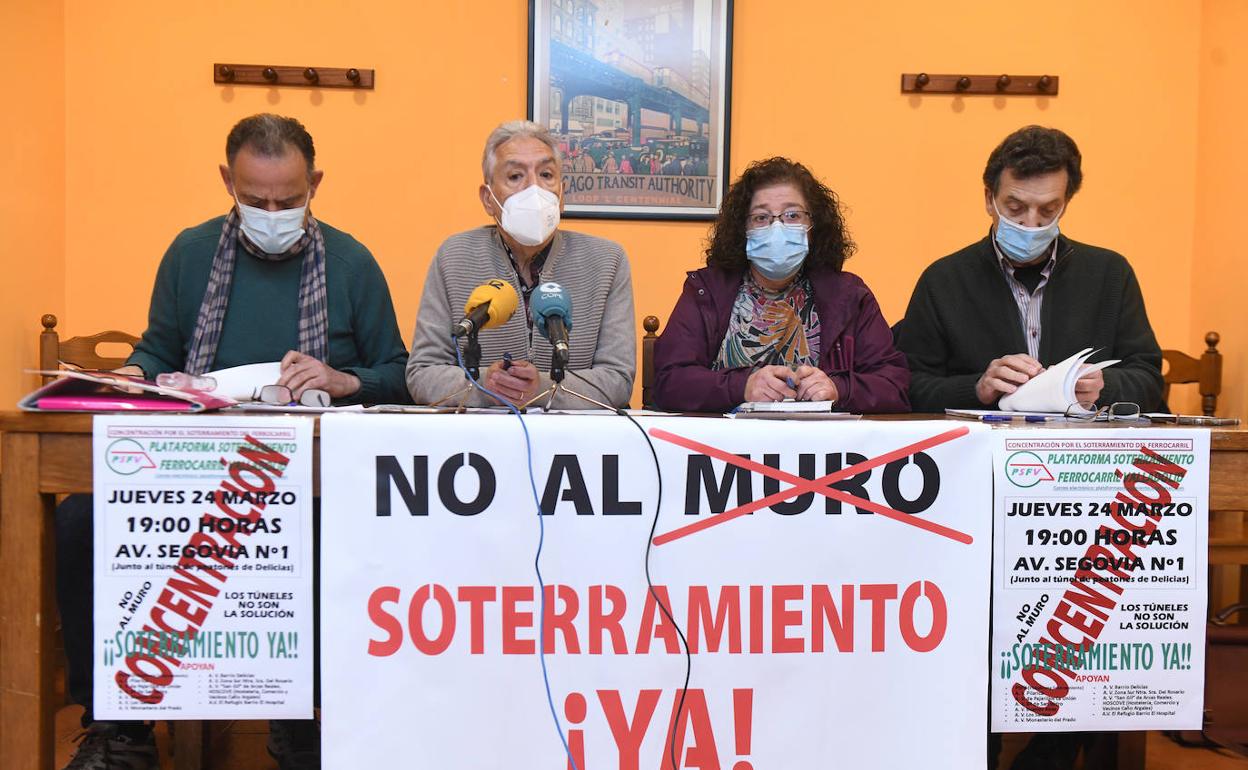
{"points": [[814, 384], [770, 383]]}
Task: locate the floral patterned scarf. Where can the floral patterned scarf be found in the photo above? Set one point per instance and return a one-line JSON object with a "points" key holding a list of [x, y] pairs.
{"points": [[766, 327]]}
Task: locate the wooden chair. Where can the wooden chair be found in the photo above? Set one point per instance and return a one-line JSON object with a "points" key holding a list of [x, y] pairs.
{"points": [[79, 351], [651, 325], [1206, 370]]}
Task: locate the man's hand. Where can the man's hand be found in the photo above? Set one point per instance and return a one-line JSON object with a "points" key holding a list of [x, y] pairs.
{"points": [[1004, 375], [133, 370], [770, 383], [813, 384], [1089, 386], [517, 383], [301, 372]]}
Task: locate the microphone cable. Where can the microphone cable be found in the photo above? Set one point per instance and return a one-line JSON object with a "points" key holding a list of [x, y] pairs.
{"points": [[654, 525], [537, 557]]}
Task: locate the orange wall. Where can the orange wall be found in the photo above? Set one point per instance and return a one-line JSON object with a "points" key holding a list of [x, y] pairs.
{"points": [[146, 127], [1221, 252], [32, 184]]}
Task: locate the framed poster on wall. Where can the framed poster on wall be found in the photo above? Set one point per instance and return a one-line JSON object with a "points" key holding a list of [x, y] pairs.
{"points": [[638, 94]]}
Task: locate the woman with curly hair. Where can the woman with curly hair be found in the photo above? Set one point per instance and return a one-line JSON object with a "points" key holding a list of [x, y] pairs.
{"points": [[772, 315]]}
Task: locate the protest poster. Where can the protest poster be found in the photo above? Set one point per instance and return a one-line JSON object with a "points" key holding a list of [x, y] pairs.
{"points": [[1100, 555], [831, 582], [203, 567]]}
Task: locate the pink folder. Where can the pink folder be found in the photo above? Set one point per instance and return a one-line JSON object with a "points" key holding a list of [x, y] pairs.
{"points": [[81, 391]]}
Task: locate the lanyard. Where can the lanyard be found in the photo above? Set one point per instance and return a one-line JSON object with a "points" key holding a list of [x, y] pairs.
{"points": [[526, 290]]}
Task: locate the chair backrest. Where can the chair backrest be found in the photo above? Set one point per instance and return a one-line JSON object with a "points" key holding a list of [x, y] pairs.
{"points": [[1206, 370], [651, 325], [79, 351]]}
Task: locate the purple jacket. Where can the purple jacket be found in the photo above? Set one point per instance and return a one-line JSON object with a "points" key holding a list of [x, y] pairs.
{"points": [[856, 346]]}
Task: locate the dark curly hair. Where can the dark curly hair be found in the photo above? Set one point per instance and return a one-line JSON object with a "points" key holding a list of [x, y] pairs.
{"points": [[1034, 150], [830, 244]]}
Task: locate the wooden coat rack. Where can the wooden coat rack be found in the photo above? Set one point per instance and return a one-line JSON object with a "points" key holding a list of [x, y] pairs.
{"points": [[303, 77], [1007, 85]]}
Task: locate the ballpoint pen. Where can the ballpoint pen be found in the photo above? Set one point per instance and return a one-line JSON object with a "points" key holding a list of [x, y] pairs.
{"points": [[1016, 418], [778, 360]]}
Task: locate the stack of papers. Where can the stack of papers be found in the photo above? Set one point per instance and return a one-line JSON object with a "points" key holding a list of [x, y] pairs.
{"points": [[788, 405], [789, 409], [1053, 390]]}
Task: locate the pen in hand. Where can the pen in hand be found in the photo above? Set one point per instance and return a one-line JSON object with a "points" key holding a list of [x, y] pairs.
{"points": [[778, 360]]}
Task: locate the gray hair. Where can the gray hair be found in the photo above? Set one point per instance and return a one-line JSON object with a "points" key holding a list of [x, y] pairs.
{"points": [[270, 136], [510, 130]]}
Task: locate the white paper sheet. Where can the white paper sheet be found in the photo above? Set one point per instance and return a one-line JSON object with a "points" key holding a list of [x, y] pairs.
{"points": [[1053, 390]]}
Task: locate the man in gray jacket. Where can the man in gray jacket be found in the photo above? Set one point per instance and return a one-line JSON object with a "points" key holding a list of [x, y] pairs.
{"points": [[522, 193]]}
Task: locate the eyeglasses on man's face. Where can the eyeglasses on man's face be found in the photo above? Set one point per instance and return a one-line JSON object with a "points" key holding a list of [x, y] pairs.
{"points": [[761, 219]]}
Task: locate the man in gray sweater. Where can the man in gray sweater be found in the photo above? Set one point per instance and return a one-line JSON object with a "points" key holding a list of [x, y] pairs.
{"points": [[522, 193]]}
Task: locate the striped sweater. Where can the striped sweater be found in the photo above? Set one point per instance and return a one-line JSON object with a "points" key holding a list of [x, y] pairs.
{"points": [[595, 274]]}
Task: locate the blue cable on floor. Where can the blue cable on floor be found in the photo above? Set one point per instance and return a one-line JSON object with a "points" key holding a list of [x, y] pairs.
{"points": [[537, 558]]}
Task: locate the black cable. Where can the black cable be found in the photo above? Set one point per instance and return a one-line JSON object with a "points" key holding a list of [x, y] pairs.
{"points": [[654, 525]]}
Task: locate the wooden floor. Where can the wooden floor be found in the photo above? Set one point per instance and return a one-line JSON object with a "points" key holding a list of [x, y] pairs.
{"points": [[241, 745]]}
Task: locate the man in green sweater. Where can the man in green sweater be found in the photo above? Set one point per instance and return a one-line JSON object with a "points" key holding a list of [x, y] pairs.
{"points": [[267, 282], [988, 318]]}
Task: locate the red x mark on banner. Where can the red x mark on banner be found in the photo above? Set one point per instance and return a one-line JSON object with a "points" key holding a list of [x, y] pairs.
{"points": [[802, 485]]}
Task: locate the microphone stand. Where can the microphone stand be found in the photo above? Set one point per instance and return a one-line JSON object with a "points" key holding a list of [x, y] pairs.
{"points": [[472, 362], [558, 363]]}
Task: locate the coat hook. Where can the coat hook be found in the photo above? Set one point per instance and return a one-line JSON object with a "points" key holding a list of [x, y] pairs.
{"points": [[1003, 82], [1043, 83], [353, 75], [226, 72], [922, 80], [311, 75], [964, 83], [270, 74]]}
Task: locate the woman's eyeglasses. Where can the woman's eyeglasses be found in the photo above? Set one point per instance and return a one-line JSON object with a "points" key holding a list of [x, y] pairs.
{"points": [[761, 219]]}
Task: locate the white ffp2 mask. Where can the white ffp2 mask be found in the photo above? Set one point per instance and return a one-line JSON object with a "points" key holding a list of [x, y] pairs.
{"points": [[529, 216]]}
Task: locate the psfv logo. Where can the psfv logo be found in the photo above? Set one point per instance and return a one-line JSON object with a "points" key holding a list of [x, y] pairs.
{"points": [[1025, 469], [125, 456]]}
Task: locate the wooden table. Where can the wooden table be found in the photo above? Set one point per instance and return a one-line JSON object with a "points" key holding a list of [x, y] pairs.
{"points": [[49, 454]]}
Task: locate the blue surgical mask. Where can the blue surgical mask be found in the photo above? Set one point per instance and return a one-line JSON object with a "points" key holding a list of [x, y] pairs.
{"points": [[776, 251], [1024, 244]]}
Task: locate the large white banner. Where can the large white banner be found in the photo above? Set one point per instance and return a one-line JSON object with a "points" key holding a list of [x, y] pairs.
{"points": [[1100, 562], [203, 567], [820, 614]]}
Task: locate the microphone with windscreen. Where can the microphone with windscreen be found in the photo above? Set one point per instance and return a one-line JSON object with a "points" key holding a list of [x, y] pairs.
{"points": [[550, 307], [489, 305]]}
